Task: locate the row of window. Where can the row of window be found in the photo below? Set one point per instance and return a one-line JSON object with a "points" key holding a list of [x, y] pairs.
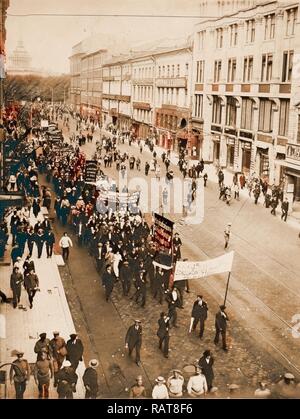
{"points": [[290, 19], [167, 121], [142, 93], [266, 113], [142, 115], [266, 69]]}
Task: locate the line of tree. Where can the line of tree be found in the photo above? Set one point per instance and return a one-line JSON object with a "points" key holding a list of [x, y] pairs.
{"points": [[28, 88]]}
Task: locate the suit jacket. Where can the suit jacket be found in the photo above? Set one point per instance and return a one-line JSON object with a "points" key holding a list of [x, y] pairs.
{"points": [[200, 311], [49, 238], [31, 281], [75, 350], [134, 336], [207, 368], [163, 328], [221, 321]]}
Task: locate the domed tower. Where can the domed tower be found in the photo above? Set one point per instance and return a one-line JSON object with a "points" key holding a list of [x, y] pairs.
{"points": [[20, 59]]}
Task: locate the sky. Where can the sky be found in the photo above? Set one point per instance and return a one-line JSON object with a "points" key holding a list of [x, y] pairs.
{"points": [[49, 39]]}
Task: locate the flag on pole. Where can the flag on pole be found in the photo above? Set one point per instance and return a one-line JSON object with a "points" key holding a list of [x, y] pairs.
{"points": [[196, 270]]}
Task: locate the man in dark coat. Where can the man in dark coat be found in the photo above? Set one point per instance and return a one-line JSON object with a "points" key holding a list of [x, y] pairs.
{"points": [[46, 224], [133, 340], [90, 380], [126, 277], [74, 351], [108, 281], [16, 281], [206, 362], [50, 240], [40, 240], [163, 334], [19, 374], [30, 240], [141, 289], [66, 381], [221, 326], [199, 314], [31, 283], [158, 285], [284, 209]]}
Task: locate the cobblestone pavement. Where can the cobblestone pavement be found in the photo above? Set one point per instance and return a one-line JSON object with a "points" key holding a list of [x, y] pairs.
{"points": [[263, 297]]}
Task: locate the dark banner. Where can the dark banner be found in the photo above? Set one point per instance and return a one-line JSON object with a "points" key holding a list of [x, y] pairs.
{"points": [[163, 233], [91, 171]]}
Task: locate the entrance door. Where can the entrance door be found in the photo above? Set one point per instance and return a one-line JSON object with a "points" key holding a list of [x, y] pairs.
{"points": [[246, 161], [216, 151]]}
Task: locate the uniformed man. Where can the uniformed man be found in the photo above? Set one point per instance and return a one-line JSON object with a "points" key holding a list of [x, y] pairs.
{"points": [[221, 326], [43, 372], [43, 345], [199, 314], [19, 374], [90, 380], [138, 391], [133, 340], [74, 350], [66, 381]]}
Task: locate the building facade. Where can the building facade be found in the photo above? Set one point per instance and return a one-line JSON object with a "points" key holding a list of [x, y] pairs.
{"points": [[243, 88]]}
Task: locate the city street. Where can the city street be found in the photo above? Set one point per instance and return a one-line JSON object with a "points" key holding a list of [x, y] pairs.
{"points": [[263, 280]]}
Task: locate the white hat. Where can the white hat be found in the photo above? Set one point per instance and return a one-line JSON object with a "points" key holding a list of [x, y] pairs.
{"points": [[160, 380], [289, 376], [67, 364], [94, 363]]}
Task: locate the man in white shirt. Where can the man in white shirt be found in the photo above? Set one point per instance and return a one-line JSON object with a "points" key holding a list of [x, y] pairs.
{"points": [[65, 243], [175, 384], [197, 384], [160, 390]]}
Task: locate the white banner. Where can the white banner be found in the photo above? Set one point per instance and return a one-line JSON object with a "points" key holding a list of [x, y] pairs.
{"points": [[195, 270]]}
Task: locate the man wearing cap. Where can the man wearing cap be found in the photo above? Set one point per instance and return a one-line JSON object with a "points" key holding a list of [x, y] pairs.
{"points": [[43, 372], [90, 380], [133, 340], [160, 390], [19, 374], [262, 392], [66, 381], [199, 314], [125, 277], [163, 334], [59, 351], [138, 390], [74, 350], [43, 345], [221, 326], [197, 385]]}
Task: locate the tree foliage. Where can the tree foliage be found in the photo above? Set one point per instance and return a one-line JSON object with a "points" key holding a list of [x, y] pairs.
{"points": [[27, 88]]}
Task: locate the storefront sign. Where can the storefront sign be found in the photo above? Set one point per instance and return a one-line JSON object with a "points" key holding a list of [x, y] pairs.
{"points": [[170, 82]]}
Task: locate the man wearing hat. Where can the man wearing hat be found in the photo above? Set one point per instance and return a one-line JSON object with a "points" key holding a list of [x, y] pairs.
{"points": [[133, 340], [163, 334], [43, 372], [50, 240], [74, 350], [206, 362], [90, 380], [19, 374], [199, 314], [16, 281], [43, 345], [39, 241], [108, 281], [197, 385], [66, 381], [31, 283], [160, 390], [138, 390], [46, 224], [59, 352], [221, 326], [125, 277], [175, 384]]}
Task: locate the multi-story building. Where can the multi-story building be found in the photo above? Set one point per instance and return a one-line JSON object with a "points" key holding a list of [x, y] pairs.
{"points": [[172, 99], [243, 87], [75, 71], [116, 98], [143, 84], [4, 5]]}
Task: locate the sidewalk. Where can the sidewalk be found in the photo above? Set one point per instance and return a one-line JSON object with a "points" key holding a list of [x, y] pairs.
{"points": [[50, 312]]}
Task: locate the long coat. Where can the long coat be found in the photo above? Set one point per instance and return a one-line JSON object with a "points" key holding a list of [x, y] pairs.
{"points": [[163, 328], [75, 350], [207, 369], [200, 311], [134, 337], [221, 322]]}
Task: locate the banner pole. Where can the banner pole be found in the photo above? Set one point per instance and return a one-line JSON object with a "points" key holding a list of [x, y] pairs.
{"points": [[227, 286]]}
